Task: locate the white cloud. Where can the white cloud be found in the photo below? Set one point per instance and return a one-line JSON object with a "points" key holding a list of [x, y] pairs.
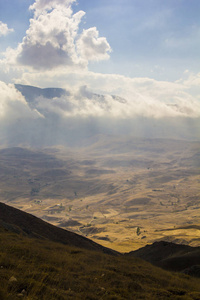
{"points": [[145, 96], [53, 40], [40, 6], [50, 41], [81, 113], [4, 30], [192, 80], [91, 47], [13, 105], [17, 119]]}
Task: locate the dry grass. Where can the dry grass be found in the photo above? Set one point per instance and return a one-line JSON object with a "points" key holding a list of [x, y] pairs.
{"points": [[47, 270]]}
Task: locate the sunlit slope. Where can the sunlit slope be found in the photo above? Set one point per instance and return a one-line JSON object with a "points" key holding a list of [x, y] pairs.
{"points": [[15, 220]]}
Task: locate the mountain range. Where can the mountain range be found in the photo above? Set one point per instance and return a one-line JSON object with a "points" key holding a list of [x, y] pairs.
{"points": [[55, 116]]}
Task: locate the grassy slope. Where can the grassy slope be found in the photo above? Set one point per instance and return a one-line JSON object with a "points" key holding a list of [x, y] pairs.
{"points": [[49, 270], [18, 221], [170, 256]]}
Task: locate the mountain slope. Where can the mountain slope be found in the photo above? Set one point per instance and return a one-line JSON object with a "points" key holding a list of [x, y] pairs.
{"points": [[39, 269], [32, 92], [171, 257], [17, 221]]}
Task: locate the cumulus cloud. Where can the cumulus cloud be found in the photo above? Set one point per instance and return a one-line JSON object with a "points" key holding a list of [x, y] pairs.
{"points": [[46, 5], [4, 30], [50, 40], [53, 40], [91, 47]]}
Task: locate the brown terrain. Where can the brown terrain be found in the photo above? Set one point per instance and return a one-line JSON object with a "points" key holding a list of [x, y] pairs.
{"points": [[121, 193], [41, 261]]}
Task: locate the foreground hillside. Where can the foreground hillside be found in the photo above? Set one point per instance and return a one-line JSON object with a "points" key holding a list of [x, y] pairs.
{"points": [[37, 268], [14, 220]]}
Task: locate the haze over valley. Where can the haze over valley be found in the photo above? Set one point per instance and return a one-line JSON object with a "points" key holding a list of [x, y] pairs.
{"points": [[103, 186]]}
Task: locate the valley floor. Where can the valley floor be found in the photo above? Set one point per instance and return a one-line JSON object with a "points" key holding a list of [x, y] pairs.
{"points": [[122, 194]]}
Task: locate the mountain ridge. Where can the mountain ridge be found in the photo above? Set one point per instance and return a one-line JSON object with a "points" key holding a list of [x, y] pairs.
{"points": [[171, 256], [15, 219]]}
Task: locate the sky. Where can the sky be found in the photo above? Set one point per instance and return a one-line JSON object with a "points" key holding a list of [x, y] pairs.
{"points": [[154, 38], [146, 51]]}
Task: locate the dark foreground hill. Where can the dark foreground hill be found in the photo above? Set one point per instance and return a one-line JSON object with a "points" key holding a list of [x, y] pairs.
{"points": [[18, 221], [170, 256], [33, 267]]}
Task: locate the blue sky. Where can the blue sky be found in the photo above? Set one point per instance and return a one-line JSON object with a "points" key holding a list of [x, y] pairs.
{"points": [[145, 51], [149, 38], [155, 38]]}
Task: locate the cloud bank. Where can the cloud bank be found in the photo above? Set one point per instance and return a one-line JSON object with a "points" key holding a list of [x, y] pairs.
{"points": [[83, 103], [57, 117]]}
